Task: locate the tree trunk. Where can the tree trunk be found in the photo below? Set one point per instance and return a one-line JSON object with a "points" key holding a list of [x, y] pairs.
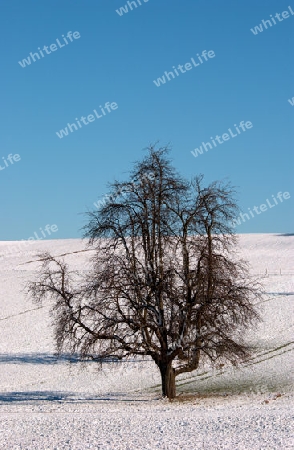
{"points": [[168, 380]]}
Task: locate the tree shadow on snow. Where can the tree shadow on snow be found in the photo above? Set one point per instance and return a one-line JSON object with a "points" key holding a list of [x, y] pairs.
{"points": [[37, 358], [62, 397], [49, 358], [11, 397]]}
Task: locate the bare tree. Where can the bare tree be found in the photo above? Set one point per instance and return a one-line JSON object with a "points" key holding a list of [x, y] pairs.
{"points": [[165, 279]]}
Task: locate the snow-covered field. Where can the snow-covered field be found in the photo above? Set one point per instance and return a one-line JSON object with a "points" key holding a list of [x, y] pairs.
{"points": [[56, 404]]}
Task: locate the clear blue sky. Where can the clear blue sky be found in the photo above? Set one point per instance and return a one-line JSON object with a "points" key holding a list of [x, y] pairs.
{"points": [[116, 59]]}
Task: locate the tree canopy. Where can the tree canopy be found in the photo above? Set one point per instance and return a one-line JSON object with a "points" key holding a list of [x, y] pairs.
{"points": [[165, 279]]}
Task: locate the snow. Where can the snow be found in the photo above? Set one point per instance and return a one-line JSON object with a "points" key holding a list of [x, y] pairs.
{"points": [[47, 403]]}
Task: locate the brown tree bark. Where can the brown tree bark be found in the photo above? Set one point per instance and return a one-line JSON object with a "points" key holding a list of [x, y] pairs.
{"points": [[168, 380]]}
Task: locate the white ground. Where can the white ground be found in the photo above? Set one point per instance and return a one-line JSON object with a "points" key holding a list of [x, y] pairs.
{"points": [[49, 404]]}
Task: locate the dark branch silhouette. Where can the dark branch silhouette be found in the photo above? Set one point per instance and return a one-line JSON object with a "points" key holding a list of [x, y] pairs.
{"points": [[165, 279]]}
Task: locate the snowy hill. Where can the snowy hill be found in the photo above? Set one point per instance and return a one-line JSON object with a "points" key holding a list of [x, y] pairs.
{"points": [[119, 407]]}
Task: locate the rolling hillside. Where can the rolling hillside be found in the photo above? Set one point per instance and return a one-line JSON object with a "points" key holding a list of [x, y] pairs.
{"points": [[50, 403]]}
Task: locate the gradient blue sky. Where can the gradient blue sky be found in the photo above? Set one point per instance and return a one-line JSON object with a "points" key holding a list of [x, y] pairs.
{"points": [[116, 60]]}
